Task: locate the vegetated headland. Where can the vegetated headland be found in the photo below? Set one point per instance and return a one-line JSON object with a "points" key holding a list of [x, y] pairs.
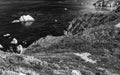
{"points": [[90, 46]]}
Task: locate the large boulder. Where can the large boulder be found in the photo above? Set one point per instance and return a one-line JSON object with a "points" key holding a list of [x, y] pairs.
{"points": [[14, 41], [26, 20]]}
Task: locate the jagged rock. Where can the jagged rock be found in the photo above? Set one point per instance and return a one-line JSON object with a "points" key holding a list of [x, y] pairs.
{"points": [[24, 18], [20, 48], [14, 41], [108, 4], [27, 20]]}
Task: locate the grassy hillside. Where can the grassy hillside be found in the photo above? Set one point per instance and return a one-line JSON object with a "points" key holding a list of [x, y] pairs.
{"points": [[92, 49]]}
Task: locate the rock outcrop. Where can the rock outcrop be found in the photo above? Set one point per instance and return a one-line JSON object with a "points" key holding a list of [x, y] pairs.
{"points": [[26, 20], [107, 4]]}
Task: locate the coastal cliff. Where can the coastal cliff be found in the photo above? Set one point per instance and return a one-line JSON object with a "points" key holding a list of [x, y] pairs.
{"points": [[91, 46]]}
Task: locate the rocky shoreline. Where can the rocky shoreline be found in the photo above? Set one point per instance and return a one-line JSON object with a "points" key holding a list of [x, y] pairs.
{"points": [[91, 46]]}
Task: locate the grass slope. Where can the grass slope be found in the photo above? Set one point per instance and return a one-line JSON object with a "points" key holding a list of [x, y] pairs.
{"points": [[95, 35]]}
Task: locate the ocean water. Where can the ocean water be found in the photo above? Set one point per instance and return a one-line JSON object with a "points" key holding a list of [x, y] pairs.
{"points": [[50, 19]]}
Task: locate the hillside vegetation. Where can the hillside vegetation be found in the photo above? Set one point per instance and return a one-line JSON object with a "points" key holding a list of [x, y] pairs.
{"points": [[92, 48]]}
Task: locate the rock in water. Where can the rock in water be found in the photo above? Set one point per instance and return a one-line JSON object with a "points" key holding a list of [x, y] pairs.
{"points": [[1, 46], [56, 20], [26, 18], [14, 41], [15, 21], [65, 9], [6, 35]]}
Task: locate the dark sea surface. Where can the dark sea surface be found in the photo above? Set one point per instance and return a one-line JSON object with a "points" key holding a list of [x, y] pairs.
{"points": [[45, 15]]}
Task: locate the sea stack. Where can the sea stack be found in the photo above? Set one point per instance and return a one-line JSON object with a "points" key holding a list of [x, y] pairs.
{"points": [[24, 18]]}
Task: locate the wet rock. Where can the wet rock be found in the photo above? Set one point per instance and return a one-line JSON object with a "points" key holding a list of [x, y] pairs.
{"points": [[27, 23], [65, 9], [15, 21], [1, 46], [14, 41], [6, 35], [56, 20], [26, 20]]}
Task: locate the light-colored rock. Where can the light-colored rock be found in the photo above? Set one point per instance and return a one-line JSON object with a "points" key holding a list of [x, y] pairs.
{"points": [[85, 56], [6, 35], [25, 18], [1, 46], [15, 21], [76, 72], [14, 41], [20, 48]]}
